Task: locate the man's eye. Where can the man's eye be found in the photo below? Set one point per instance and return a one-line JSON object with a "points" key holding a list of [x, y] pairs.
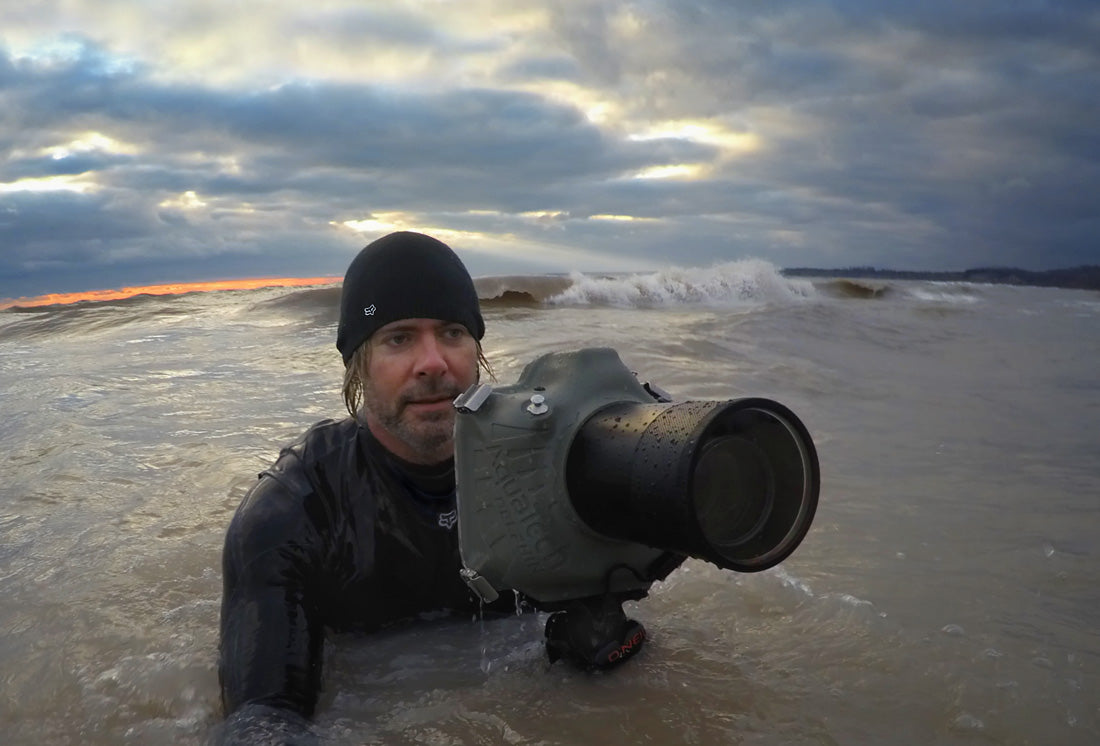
{"points": [[395, 340]]}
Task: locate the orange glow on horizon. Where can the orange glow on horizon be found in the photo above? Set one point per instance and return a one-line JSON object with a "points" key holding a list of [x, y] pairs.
{"points": [[176, 288]]}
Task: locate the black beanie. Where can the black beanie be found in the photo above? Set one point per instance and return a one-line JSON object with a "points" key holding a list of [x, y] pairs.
{"points": [[405, 276]]}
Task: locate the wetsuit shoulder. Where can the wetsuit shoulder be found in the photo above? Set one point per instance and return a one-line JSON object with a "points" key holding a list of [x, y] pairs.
{"points": [[292, 499], [278, 566], [317, 456]]}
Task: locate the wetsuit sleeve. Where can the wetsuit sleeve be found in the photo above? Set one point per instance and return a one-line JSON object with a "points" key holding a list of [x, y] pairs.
{"points": [[271, 630]]}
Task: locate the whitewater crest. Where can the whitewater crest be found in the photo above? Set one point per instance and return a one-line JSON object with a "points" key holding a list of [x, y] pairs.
{"points": [[737, 283]]}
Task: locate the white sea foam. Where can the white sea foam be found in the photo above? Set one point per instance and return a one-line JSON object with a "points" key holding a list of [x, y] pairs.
{"points": [[742, 282], [850, 600], [960, 293], [790, 581]]}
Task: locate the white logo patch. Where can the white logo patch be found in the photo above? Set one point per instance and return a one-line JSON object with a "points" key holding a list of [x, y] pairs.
{"points": [[369, 310], [449, 519]]}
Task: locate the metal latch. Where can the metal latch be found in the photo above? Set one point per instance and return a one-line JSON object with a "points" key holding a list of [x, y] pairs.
{"points": [[472, 398], [479, 585]]}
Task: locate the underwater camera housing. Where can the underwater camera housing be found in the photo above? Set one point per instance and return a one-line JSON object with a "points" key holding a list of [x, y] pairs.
{"points": [[579, 487]]}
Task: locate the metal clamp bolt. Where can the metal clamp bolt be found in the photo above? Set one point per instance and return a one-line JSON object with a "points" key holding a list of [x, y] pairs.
{"points": [[537, 404]]}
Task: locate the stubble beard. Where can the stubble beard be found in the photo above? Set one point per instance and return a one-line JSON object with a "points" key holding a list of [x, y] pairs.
{"points": [[429, 434]]}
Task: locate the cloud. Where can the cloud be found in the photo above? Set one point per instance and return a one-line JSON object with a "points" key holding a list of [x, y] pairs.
{"points": [[541, 136]]}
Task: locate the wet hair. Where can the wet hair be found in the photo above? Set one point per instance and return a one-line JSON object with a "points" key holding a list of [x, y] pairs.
{"points": [[355, 371]]}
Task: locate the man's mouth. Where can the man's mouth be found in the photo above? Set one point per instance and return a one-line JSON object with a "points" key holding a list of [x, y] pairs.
{"points": [[431, 402]]}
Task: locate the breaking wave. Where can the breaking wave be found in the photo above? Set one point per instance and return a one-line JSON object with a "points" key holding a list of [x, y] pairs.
{"points": [[738, 283], [862, 289], [520, 290]]}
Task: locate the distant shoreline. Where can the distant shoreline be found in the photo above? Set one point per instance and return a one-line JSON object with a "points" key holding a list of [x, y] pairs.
{"points": [[1085, 277]]}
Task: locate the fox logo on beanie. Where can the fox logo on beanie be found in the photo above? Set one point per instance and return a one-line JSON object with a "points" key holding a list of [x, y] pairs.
{"points": [[405, 276]]}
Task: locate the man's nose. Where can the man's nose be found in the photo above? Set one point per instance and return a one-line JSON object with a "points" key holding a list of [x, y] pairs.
{"points": [[430, 360]]}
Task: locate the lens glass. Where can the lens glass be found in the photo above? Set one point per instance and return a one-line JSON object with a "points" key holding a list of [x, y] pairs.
{"points": [[733, 490]]}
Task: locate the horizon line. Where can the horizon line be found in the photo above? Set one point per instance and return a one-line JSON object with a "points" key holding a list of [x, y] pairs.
{"points": [[168, 288]]}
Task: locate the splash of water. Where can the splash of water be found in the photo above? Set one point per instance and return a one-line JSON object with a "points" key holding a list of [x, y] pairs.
{"points": [[737, 283]]}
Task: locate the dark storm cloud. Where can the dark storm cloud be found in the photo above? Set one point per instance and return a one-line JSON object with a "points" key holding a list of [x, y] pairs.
{"points": [[80, 163], [922, 136], [348, 149], [342, 126], [976, 121]]}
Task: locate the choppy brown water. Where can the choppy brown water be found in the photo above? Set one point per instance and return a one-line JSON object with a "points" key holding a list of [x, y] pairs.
{"points": [[948, 592]]}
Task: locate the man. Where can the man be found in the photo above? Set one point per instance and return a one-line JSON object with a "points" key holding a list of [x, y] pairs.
{"points": [[353, 527]]}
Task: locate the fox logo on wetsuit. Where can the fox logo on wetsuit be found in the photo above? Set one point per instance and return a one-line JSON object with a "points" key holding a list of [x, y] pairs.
{"points": [[449, 519]]}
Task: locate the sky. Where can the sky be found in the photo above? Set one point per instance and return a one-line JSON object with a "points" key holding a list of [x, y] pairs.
{"points": [[156, 141]]}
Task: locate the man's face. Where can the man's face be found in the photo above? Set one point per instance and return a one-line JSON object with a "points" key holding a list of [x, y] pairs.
{"points": [[415, 369]]}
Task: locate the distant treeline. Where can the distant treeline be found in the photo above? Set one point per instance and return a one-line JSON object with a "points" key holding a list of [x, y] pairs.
{"points": [[1085, 277]]}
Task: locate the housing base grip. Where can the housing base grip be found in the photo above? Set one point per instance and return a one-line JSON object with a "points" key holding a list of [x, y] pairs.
{"points": [[593, 633]]}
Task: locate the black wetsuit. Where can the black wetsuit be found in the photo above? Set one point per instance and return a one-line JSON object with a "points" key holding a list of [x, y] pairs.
{"points": [[338, 534]]}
